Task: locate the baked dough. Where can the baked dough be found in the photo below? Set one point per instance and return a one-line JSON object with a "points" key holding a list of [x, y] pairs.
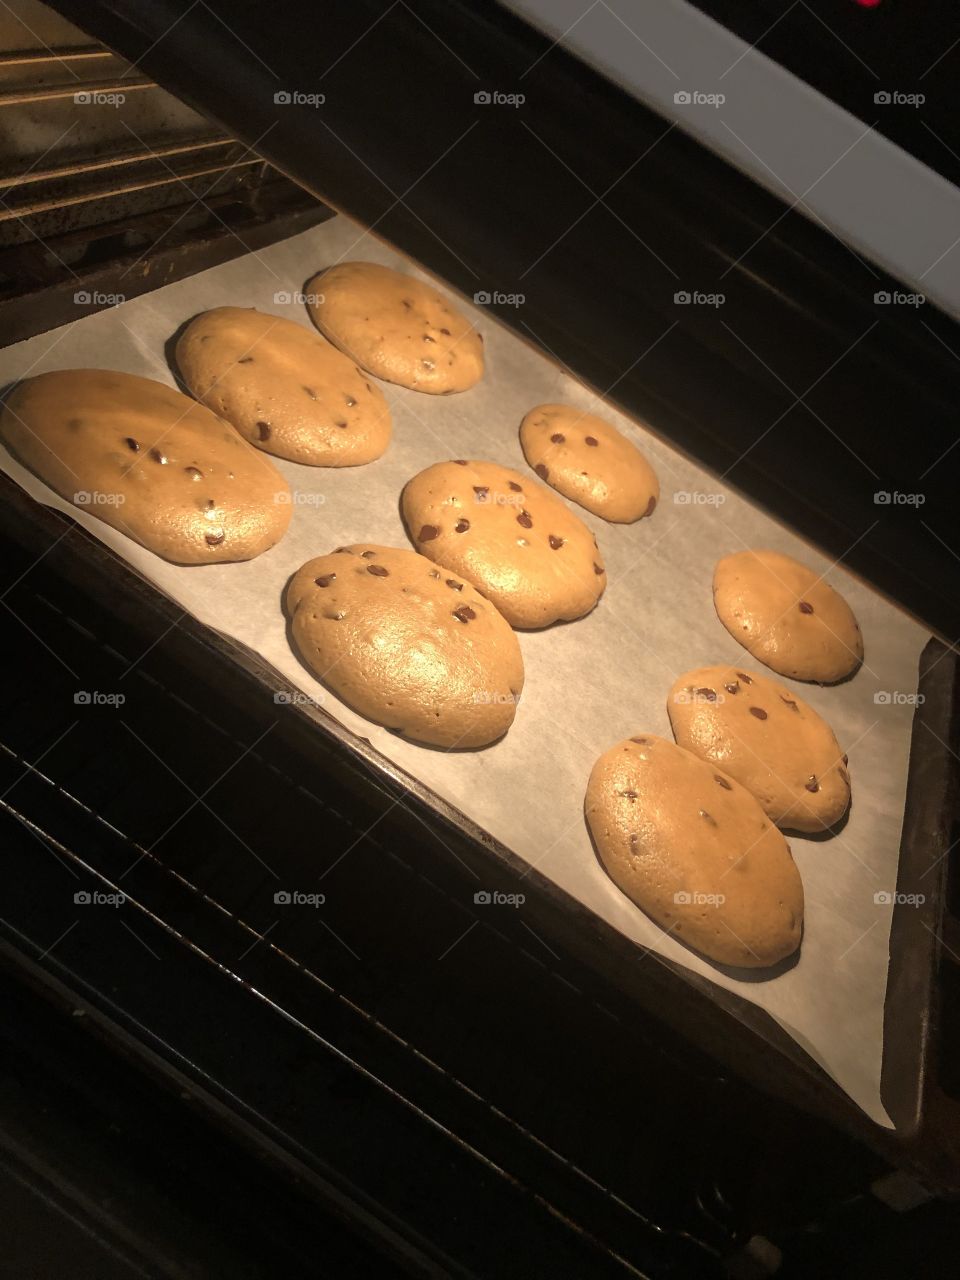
{"points": [[407, 645], [790, 619], [509, 536], [396, 327], [284, 388], [589, 462], [150, 462], [769, 739], [694, 850]]}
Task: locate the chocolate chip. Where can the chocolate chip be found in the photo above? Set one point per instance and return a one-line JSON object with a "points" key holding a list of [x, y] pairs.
{"points": [[263, 430], [845, 760], [541, 471], [591, 440], [732, 687], [427, 338], [210, 504], [709, 694], [428, 364], [708, 817], [525, 520], [407, 303], [434, 573], [515, 487], [555, 542], [157, 456], [368, 555], [651, 507], [597, 570], [721, 781], [459, 462], [340, 424], [313, 394], [194, 473], [445, 332], [378, 571], [642, 741], [428, 533], [758, 712], [214, 539], [452, 582], [804, 607], [464, 613], [790, 702], [629, 795], [461, 526], [481, 490], [558, 437], [132, 444], [745, 678], [246, 360], [813, 784], [342, 551], [325, 579], [350, 401]]}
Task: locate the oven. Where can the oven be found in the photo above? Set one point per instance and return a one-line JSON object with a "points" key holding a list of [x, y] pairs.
{"points": [[203, 1082]]}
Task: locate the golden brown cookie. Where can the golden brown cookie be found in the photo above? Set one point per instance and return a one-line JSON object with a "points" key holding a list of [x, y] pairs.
{"points": [[407, 645], [766, 737], [396, 327], [150, 462], [509, 536], [692, 847], [787, 616], [284, 388], [589, 462]]}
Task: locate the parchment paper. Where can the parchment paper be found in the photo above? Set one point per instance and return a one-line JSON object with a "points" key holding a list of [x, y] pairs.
{"points": [[589, 683]]}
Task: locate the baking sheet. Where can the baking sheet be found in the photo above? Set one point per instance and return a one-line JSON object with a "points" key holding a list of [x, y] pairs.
{"points": [[589, 683]]}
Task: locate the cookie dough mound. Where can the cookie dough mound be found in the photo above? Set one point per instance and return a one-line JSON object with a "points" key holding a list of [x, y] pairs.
{"points": [[396, 327], [589, 462], [786, 616], [407, 645], [766, 737], [286, 390], [693, 849], [150, 462], [509, 536]]}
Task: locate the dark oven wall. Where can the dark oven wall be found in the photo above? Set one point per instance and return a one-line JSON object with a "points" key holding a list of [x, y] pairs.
{"points": [[501, 163]]}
